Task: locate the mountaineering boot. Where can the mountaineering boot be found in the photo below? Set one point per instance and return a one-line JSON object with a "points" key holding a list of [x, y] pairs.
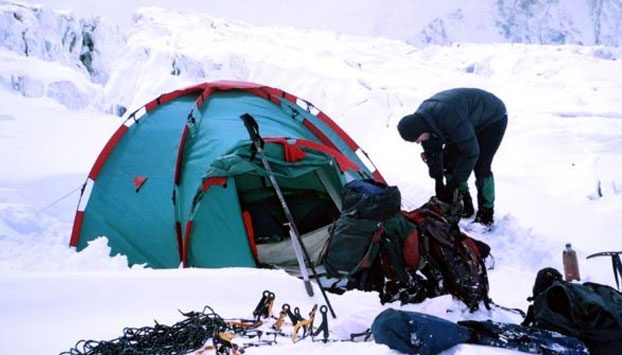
{"points": [[485, 216], [468, 210]]}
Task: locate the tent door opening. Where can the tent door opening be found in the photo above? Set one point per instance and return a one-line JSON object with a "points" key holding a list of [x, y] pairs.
{"points": [[313, 201]]}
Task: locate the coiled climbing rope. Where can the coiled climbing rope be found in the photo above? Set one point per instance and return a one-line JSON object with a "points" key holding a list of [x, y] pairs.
{"points": [[187, 335]]}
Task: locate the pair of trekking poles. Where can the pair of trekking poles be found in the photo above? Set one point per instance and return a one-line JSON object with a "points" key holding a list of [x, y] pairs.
{"points": [[302, 256]]}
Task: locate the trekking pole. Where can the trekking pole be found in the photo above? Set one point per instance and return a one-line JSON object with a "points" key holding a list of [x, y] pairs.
{"points": [[299, 248], [293, 235]]}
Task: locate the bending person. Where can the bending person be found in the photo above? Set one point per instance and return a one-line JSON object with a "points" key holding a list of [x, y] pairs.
{"points": [[460, 131]]}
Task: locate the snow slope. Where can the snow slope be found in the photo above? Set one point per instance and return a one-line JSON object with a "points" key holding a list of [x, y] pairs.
{"points": [[558, 171]]}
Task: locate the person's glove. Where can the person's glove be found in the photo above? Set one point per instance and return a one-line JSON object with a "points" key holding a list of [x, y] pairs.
{"points": [[444, 193], [433, 157]]}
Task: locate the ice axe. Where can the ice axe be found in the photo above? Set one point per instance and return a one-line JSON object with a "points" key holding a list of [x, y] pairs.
{"points": [[299, 249], [615, 262]]}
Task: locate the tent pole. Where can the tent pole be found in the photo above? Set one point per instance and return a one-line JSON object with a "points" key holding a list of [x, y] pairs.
{"points": [[299, 248]]}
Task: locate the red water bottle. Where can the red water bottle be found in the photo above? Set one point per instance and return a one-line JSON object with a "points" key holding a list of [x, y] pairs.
{"points": [[571, 264]]}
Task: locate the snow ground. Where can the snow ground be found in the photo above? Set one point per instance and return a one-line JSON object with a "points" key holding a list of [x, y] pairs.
{"points": [[563, 145]]}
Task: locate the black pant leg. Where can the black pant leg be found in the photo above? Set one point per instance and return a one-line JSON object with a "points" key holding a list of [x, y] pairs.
{"points": [[489, 140]]}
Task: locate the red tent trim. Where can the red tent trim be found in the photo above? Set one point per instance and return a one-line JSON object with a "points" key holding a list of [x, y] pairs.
{"points": [[343, 162], [266, 92], [214, 180], [291, 152], [250, 233], [180, 247], [77, 226], [289, 97], [103, 155], [186, 243], [164, 98], [378, 177], [349, 141], [318, 133]]}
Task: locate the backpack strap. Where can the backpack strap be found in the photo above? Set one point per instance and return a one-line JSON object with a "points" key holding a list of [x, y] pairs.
{"points": [[324, 251], [368, 258], [487, 300], [360, 276]]}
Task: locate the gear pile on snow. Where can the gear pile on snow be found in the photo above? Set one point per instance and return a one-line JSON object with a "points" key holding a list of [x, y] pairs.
{"points": [[195, 332], [405, 256]]}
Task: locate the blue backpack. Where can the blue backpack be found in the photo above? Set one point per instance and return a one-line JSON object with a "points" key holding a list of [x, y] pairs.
{"points": [[424, 334]]}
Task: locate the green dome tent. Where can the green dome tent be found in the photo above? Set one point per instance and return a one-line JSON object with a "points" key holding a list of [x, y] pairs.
{"points": [[177, 182]]}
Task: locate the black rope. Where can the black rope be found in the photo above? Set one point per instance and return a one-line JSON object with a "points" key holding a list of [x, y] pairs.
{"points": [[185, 336]]}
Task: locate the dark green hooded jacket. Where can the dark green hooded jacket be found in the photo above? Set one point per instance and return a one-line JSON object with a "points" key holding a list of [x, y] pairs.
{"points": [[455, 116]]}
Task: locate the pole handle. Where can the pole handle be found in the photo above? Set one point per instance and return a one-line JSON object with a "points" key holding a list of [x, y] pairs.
{"points": [[253, 130]]}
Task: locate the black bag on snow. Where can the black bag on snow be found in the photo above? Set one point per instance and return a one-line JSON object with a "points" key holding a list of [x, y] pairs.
{"points": [[590, 312], [452, 262], [418, 333], [521, 338]]}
